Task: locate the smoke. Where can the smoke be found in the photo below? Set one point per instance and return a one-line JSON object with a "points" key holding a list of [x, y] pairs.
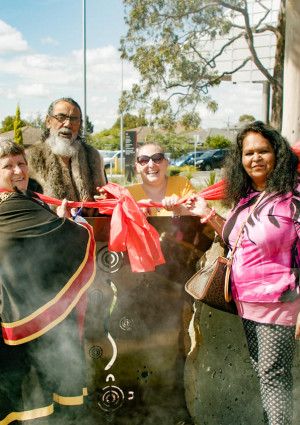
{"points": [[147, 317]]}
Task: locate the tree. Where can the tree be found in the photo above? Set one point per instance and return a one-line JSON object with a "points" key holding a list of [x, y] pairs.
{"points": [[168, 42], [131, 121], [18, 127], [216, 142], [89, 127], [109, 139], [175, 144], [243, 119], [37, 122], [8, 123], [106, 139]]}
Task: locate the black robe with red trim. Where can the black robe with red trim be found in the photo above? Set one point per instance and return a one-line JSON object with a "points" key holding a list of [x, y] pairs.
{"points": [[47, 264]]}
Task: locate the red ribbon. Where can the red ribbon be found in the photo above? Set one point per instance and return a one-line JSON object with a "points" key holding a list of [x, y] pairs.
{"points": [[130, 230]]}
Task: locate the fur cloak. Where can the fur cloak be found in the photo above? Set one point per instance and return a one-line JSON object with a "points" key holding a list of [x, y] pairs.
{"points": [[77, 182]]}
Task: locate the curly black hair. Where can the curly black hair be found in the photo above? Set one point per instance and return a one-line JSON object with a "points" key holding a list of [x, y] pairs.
{"points": [[46, 131], [282, 179]]}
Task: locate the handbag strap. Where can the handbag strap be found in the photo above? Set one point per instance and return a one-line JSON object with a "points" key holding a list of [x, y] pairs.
{"points": [[244, 223], [227, 295]]}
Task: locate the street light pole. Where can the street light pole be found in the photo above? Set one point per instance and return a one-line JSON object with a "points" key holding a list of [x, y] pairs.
{"points": [[84, 66], [121, 122]]}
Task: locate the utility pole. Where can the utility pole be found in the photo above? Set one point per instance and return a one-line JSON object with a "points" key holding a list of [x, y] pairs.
{"points": [[291, 86], [121, 122]]}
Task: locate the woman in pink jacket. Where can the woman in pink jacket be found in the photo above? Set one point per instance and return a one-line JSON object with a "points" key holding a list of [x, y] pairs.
{"points": [[265, 269]]}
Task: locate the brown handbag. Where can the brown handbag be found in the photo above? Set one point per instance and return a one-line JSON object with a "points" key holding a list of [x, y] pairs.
{"points": [[211, 284]]}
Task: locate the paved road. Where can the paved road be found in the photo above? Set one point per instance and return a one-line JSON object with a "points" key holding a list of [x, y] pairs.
{"points": [[200, 178]]}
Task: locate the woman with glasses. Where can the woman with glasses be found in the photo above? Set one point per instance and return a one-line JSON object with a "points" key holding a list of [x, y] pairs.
{"points": [[152, 165]]}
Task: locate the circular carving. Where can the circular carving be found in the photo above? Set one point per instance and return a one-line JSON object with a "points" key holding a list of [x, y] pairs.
{"points": [[96, 297], [110, 398], [95, 352], [144, 375], [126, 324], [109, 261]]}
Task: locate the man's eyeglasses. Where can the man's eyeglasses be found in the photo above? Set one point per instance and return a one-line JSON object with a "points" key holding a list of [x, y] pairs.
{"points": [[157, 158], [63, 118]]}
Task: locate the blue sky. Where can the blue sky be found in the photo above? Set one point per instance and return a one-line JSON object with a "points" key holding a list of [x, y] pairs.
{"points": [[41, 56], [41, 60]]}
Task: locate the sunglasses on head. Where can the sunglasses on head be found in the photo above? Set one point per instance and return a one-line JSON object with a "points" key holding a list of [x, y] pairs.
{"points": [[157, 158]]}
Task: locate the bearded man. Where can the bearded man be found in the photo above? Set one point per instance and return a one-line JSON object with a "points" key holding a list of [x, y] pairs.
{"points": [[62, 165]]}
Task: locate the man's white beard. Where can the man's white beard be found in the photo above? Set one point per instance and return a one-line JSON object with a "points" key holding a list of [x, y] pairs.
{"points": [[61, 146]]}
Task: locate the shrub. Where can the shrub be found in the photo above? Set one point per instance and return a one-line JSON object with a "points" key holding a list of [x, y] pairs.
{"points": [[174, 171]]}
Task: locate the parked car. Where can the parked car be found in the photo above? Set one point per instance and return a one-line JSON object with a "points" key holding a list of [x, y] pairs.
{"points": [[212, 159], [187, 159], [109, 157]]}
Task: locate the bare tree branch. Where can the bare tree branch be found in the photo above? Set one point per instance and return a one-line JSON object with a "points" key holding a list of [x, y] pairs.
{"points": [[262, 19], [265, 28], [211, 61], [250, 42]]}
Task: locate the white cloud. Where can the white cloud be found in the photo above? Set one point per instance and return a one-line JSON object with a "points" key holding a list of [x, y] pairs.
{"points": [[233, 100], [40, 69], [34, 80], [49, 41], [33, 90], [11, 40]]}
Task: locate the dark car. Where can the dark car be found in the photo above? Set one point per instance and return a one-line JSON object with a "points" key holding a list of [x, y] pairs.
{"points": [[188, 159], [212, 159]]}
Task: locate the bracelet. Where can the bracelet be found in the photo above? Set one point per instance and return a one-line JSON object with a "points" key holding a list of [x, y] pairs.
{"points": [[208, 216]]}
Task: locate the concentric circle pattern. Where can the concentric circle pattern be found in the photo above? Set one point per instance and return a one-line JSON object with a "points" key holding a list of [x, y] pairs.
{"points": [[110, 398], [109, 261], [126, 324], [95, 352]]}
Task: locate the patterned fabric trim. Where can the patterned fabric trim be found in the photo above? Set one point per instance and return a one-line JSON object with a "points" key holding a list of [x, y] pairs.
{"points": [[28, 414], [3, 197]]}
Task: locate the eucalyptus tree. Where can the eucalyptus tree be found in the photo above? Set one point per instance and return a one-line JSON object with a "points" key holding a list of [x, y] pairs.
{"points": [[172, 43]]}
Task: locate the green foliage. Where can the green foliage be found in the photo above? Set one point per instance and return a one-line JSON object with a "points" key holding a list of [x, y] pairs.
{"points": [[89, 127], [243, 119], [106, 139], [109, 139], [18, 137], [216, 142], [188, 171], [8, 123], [132, 121], [174, 143], [190, 121], [174, 170], [211, 179]]}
